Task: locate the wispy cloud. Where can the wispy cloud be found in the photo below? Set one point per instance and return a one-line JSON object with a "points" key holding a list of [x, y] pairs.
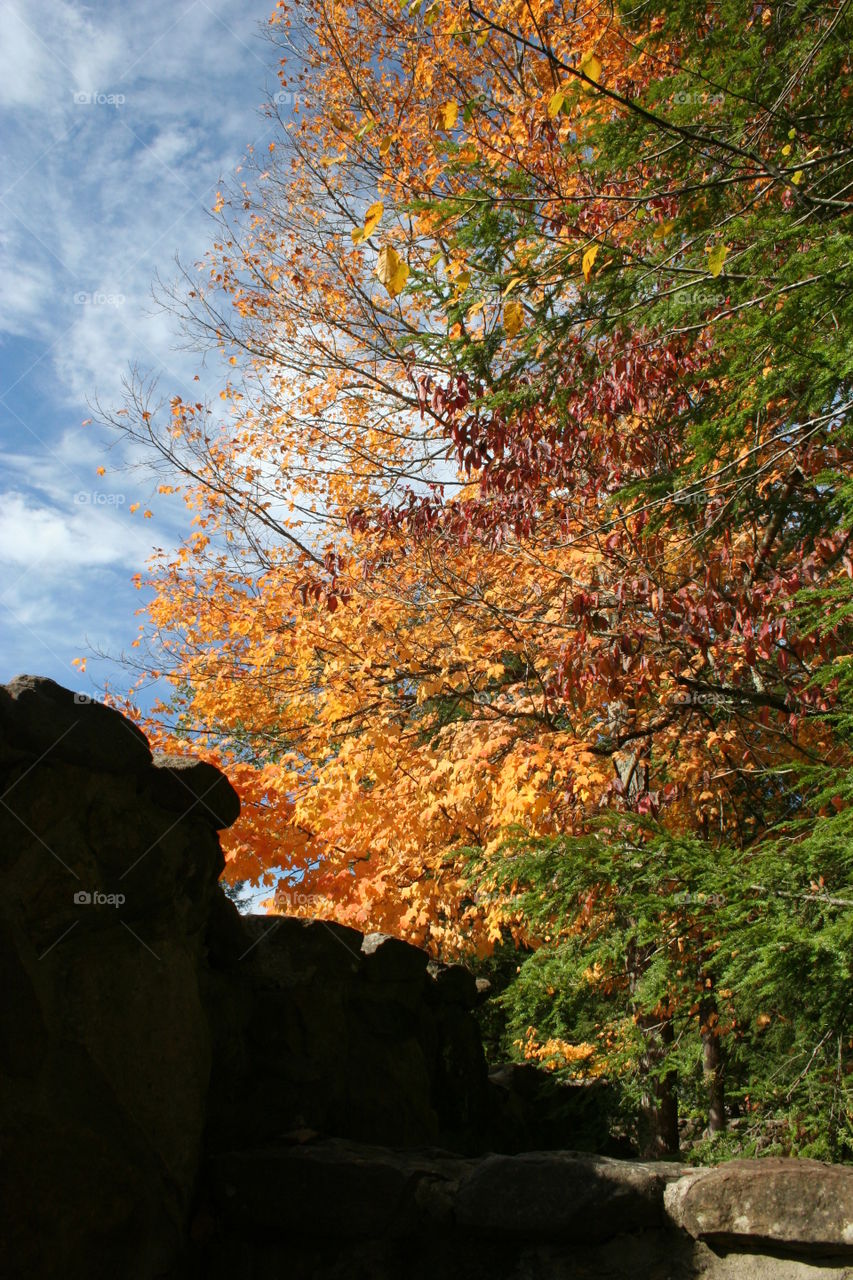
{"points": [[120, 121]]}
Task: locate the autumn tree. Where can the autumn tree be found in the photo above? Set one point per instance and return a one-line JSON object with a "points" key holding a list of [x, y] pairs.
{"points": [[527, 509]]}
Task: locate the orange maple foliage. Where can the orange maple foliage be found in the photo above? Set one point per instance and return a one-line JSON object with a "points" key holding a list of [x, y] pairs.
{"points": [[383, 701]]}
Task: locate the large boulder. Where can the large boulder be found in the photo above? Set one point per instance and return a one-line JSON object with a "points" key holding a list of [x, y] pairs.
{"points": [[799, 1205], [104, 1039], [39, 717], [563, 1194]]}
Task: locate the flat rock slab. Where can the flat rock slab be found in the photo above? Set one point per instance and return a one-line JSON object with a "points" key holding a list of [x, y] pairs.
{"points": [[354, 1190], [39, 717], [797, 1205], [336, 1188], [560, 1194]]}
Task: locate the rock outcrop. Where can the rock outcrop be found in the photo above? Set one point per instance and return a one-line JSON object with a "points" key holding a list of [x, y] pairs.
{"points": [[186, 1092], [320, 1209], [784, 1205], [105, 1044]]}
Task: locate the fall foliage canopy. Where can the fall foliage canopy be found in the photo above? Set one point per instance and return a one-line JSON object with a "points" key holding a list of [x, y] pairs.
{"points": [[517, 599]]}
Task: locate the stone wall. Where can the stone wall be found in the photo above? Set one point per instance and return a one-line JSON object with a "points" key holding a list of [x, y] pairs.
{"points": [[186, 1092]]}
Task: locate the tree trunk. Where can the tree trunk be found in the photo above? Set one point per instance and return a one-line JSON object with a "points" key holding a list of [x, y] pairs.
{"points": [[712, 1065], [658, 1128], [659, 1104]]}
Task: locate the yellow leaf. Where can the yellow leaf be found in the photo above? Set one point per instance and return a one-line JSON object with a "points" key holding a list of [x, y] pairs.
{"points": [[797, 178], [716, 258], [100, 471], [392, 270], [786, 150], [372, 217], [516, 280], [450, 114], [385, 146], [555, 106], [513, 318], [588, 259], [591, 67]]}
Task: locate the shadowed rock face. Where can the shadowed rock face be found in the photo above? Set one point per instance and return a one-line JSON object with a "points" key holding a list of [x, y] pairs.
{"points": [[185, 1092], [104, 1041]]}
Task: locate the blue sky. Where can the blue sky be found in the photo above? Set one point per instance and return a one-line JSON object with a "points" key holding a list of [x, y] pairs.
{"points": [[119, 123]]}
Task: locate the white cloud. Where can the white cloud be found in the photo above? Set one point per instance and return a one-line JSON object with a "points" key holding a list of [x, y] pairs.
{"points": [[100, 194], [96, 197], [92, 531], [25, 291]]}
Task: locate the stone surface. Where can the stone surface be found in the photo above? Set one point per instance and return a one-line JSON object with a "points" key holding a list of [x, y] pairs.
{"points": [[789, 1204], [392, 960], [40, 717], [532, 1111], [104, 1041], [317, 1026], [342, 1188], [454, 983], [325, 1209], [188, 786], [547, 1194]]}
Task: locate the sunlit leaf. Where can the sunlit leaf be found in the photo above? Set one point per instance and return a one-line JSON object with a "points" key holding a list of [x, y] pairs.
{"points": [[717, 258], [392, 270], [588, 259], [513, 318]]}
